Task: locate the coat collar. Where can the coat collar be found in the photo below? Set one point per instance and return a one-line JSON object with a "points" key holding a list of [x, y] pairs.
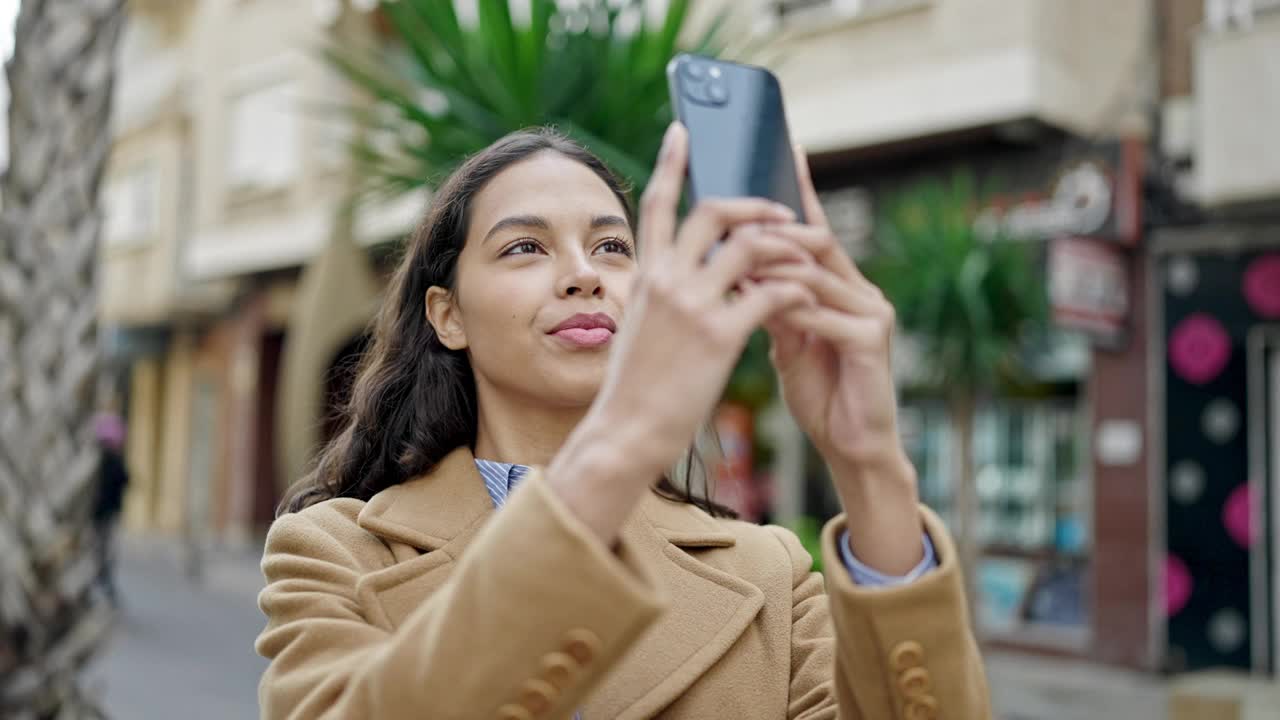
{"points": [[713, 607], [429, 511]]}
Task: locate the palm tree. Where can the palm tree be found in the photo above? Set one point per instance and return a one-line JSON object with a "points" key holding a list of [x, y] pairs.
{"points": [[970, 301], [446, 87], [60, 81]]}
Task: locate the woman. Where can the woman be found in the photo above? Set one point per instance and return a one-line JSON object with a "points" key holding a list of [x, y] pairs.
{"points": [[484, 538]]}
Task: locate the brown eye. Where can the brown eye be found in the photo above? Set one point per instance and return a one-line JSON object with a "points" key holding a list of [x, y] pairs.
{"points": [[615, 245], [524, 247]]}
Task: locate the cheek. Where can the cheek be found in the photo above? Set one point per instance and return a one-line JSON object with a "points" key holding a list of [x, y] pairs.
{"points": [[494, 307], [620, 282]]}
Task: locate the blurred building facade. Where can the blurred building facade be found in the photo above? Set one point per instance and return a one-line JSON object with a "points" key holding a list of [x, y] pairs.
{"points": [[224, 181], [1048, 104], [237, 286], [1213, 287]]}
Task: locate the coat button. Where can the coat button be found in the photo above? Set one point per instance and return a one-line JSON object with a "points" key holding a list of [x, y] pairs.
{"points": [[582, 645], [513, 712], [558, 669], [924, 707], [914, 682], [906, 654], [538, 695]]}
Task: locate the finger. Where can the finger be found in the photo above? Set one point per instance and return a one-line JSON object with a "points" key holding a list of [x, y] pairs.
{"points": [[785, 341], [757, 302], [838, 328], [814, 214], [747, 248], [824, 247], [713, 218], [831, 290], [661, 197]]}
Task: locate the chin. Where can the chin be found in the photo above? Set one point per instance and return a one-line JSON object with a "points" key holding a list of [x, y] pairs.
{"points": [[580, 389]]}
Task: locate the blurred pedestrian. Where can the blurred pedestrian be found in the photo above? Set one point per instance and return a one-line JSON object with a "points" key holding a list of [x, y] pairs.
{"points": [[497, 530], [113, 478]]}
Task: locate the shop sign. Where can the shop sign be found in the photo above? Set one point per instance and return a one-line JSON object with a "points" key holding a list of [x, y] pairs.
{"points": [[1095, 193], [1079, 205], [1089, 287], [849, 212]]}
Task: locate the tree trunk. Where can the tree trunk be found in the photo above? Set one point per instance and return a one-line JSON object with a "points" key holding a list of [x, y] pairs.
{"points": [[60, 81], [962, 408]]}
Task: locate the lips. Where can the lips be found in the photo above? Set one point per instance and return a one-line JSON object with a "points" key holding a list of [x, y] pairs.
{"points": [[586, 330]]}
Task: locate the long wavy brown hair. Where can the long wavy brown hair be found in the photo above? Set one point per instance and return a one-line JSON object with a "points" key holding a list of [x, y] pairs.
{"points": [[414, 400]]}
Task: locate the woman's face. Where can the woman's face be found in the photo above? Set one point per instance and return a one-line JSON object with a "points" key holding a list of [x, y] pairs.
{"points": [[541, 282]]}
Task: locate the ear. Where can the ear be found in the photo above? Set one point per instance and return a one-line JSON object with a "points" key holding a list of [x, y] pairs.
{"points": [[442, 313]]}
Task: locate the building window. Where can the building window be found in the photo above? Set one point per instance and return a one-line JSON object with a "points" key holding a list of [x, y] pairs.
{"points": [[263, 145], [132, 206], [1222, 15], [1032, 482], [802, 11]]}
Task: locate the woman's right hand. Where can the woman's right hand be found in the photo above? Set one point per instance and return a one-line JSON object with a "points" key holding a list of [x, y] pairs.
{"points": [[686, 322]]}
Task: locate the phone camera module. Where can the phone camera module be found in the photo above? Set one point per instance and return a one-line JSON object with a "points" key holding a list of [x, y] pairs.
{"points": [[693, 69], [717, 92]]}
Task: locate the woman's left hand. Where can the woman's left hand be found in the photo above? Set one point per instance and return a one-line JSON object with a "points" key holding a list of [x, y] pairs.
{"points": [[833, 362]]}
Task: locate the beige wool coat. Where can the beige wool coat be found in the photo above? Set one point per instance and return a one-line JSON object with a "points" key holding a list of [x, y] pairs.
{"points": [[426, 603]]}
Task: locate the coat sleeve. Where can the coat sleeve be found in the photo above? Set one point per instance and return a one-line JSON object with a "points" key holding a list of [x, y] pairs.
{"points": [[504, 633], [897, 653]]}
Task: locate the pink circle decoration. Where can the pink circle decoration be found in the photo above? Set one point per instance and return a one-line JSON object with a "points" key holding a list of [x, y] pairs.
{"points": [[1262, 285], [1199, 349], [1237, 516], [1177, 585]]}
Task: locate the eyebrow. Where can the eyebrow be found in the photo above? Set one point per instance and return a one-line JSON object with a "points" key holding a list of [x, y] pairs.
{"points": [[517, 221], [606, 221], [540, 223]]}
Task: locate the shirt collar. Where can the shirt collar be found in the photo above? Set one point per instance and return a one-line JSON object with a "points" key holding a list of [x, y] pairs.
{"points": [[500, 478], [430, 510]]}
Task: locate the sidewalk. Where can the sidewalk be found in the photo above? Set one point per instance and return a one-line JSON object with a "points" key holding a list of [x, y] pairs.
{"points": [[1030, 687], [184, 649], [181, 648]]}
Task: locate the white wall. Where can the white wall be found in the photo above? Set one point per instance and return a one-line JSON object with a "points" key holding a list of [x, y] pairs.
{"points": [[243, 49], [948, 65]]}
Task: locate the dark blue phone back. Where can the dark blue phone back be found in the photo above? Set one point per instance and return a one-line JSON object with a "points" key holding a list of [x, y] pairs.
{"points": [[739, 144]]}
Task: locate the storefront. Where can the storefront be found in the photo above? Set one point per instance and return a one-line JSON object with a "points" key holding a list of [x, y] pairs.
{"points": [[1217, 361], [1044, 522]]}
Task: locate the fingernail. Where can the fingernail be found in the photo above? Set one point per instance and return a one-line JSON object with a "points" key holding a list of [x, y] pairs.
{"points": [[784, 211], [666, 140]]}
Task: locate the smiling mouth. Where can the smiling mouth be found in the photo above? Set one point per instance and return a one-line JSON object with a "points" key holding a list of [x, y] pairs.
{"points": [[586, 330], [585, 337]]}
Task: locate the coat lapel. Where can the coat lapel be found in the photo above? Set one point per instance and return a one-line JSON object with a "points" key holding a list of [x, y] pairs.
{"points": [[443, 510], [428, 512], [427, 522], [709, 610]]}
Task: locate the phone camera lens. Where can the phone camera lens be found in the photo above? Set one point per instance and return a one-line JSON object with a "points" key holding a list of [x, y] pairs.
{"points": [[694, 69], [717, 92]]}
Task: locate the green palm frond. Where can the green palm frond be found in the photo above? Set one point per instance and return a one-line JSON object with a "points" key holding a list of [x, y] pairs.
{"points": [[970, 300], [442, 88]]}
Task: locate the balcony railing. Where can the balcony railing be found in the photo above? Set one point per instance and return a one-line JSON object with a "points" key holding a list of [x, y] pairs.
{"points": [[791, 11], [1224, 15], [1236, 157]]}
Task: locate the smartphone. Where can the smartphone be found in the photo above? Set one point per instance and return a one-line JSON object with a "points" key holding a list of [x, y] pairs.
{"points": [[739, 145]]}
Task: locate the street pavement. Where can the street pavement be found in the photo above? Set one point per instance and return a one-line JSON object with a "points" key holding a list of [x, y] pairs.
{"points": [[181, 649], [184, 649]]}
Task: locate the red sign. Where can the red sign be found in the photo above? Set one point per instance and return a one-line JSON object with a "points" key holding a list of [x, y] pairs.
{"points": [[1089, 287]]}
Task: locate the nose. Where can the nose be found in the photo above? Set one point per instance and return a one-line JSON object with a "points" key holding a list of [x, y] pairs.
{"points": [[580, 278]]}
